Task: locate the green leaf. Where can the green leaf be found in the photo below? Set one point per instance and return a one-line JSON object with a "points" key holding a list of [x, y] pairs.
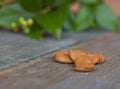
{"points": [[82, 21], [70, 21], [84, 18], [35, 32], [52, 21], [106, 17], [48, 2], [2, 3], [90, 1], [31, 5], [62, 2], [12, 13]]}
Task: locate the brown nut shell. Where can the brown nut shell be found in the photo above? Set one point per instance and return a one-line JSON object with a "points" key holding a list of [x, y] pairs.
{"points": [[84, 64], [83, 59], [74, 54], [94, 58], [63, 57], [86, 67], [101, 58]]}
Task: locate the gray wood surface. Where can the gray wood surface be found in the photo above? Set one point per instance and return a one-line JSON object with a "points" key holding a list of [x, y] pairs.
{"points": [[16, 48], [45, 73]]}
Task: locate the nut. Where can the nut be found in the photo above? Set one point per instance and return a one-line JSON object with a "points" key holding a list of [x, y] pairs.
{"points": [[84, 64], [101, 58], [83, 60], [97, 58], [85, 67], [74, 54], [94, 58], [63, 57]]}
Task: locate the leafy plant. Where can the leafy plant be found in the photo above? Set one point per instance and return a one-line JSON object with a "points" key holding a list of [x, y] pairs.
{"points": [[12, 13], [37, 16], [2, 2]]}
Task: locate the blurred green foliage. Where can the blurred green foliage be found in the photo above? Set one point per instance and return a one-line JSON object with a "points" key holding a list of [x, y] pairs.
{"points": [[37, 16], [2, 2]]}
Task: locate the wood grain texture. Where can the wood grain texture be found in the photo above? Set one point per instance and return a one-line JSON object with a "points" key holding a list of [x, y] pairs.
{"points": [[45, 73], [16, 48]]}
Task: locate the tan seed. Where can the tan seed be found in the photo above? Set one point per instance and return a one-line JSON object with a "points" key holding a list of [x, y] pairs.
{"points": [[101, 58], [63, 57], [86, 67], [94, 58], [74, 54]]}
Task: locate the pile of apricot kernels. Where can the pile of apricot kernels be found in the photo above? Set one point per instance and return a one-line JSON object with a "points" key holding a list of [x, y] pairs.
{"points": [[83, 60]]}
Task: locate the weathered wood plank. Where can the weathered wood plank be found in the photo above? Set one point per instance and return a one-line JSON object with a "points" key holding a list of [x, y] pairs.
{"points": [[45, 73], [16, 48]]}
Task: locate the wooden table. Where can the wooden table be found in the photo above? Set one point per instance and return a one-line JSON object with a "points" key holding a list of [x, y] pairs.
{"points": [[44, 73]]}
